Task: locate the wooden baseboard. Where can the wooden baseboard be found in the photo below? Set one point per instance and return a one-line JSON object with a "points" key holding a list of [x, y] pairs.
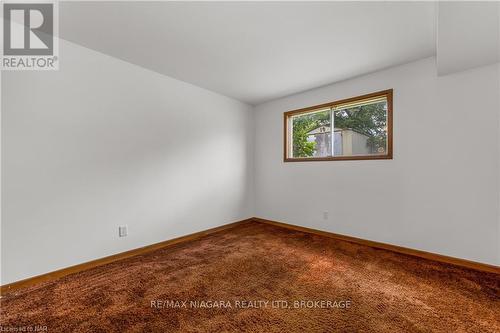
{"points": [[12, 287], [394, 248]]}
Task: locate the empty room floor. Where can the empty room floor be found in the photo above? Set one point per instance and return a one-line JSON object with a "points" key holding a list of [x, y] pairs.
{"points": [[221, 283]]}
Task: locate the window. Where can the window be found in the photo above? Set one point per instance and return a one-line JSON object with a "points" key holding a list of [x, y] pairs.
{"points": [[358, 128]]}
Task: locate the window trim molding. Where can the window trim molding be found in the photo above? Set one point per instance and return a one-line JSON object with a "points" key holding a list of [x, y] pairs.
{"points": [[388, 156]]}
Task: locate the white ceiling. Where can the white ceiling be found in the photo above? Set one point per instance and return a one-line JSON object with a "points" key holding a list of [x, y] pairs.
{"points": [[255, 51], [468, 35]]}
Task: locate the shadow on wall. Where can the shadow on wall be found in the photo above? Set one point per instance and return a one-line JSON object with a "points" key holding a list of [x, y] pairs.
{"points": [[119, 145]]}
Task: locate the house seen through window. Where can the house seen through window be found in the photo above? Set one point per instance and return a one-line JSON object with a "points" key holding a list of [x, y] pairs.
{"points": [[357, 128]]}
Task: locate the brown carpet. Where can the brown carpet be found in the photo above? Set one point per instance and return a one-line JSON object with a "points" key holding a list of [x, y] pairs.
{"points": [[362, 289]]}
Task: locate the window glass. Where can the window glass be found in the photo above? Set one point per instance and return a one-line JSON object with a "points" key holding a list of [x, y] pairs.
{"points": [[357, 128], [361, 129], [311, 134]]}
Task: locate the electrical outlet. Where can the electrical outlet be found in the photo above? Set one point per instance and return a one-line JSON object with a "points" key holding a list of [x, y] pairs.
{"points": [[325, 215], [122, 231]]}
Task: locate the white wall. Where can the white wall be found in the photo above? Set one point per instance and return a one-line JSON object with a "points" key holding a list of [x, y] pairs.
{"points": [[440, 193], [101, 143]]}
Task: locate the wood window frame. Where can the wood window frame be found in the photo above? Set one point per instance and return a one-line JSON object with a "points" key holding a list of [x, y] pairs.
{"points": [[388, 156]]}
